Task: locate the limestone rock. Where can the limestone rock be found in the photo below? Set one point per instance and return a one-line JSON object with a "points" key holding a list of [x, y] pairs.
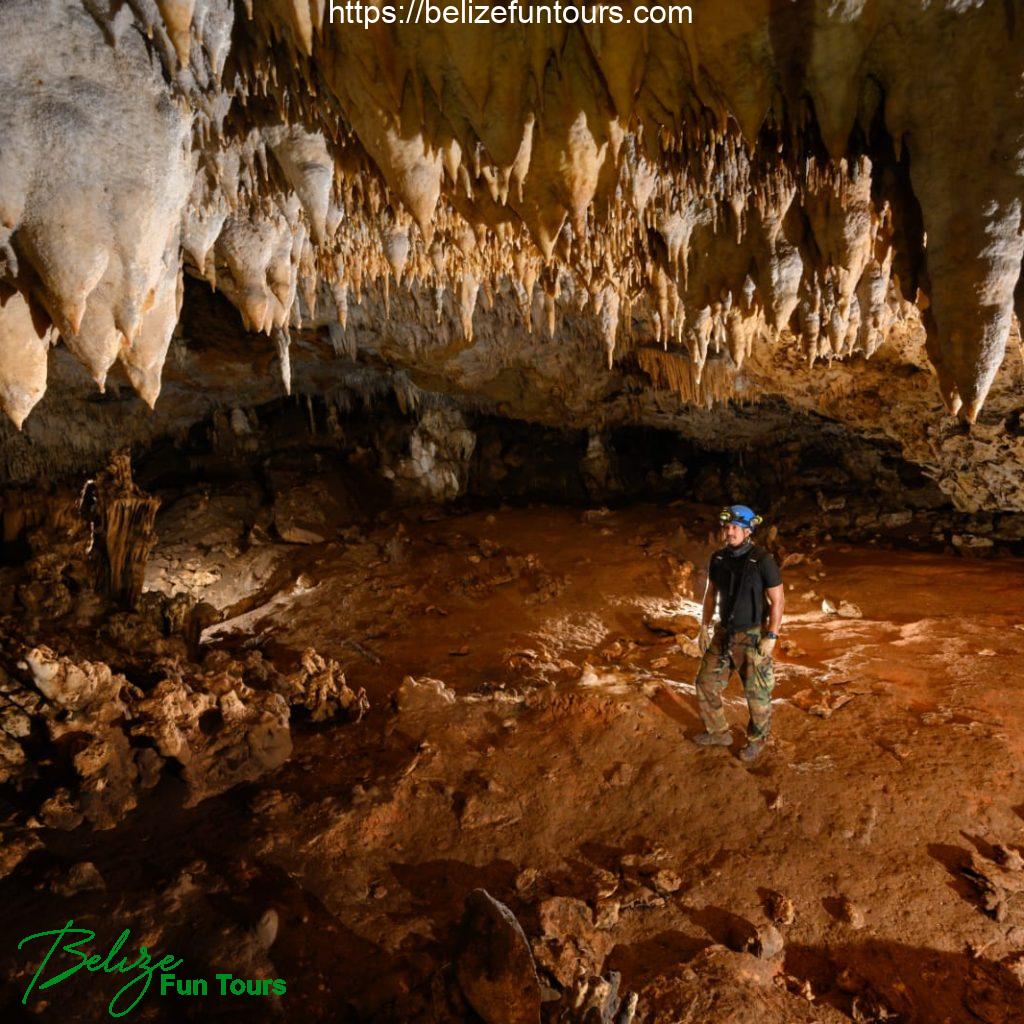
{"points": [[221, 732], [439, 451], [15, 846], [851, 913], [597, 999], [569, 940], [494, 966], [744, 991], [81, 877], [424, 694], [470, 241], [779, 908], [319, 687]]}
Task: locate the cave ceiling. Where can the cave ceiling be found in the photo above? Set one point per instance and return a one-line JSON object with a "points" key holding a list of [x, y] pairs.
{"points": [[765, 200]]}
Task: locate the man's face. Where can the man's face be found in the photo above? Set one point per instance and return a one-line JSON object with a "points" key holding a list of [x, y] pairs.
{"points": [[734, 535]]}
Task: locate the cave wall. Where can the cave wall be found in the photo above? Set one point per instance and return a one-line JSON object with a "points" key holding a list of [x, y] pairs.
{"points": [[531, 379]]}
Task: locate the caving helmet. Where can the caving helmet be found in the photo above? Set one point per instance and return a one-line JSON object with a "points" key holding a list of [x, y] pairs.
{"points": [[740, 515]]}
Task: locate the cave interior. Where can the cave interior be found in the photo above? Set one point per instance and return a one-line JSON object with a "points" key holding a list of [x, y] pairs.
{"points": [[370, 399]]}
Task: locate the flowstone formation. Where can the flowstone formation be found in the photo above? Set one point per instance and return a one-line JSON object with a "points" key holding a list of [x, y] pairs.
{"points": [[801, 177]]}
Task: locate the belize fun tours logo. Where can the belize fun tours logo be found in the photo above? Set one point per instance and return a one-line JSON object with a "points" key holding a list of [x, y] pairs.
{"points": [[68, 953]]}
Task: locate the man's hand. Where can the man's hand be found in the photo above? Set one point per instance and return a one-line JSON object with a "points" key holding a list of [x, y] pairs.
{"points": [[704, 639], [766, 645]]}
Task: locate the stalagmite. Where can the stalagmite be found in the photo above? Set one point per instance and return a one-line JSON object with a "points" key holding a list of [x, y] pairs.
{"points": [[125, 524]]}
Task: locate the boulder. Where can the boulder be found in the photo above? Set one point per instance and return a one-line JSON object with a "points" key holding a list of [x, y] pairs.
{"points": [[494, 966], [423, 694]]}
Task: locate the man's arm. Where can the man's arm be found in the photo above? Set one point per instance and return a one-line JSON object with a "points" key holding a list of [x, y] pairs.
{"points": [[776, 603], [708, 609], [707, 613]]}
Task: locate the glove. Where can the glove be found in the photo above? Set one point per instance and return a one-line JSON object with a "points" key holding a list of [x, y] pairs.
{"points": [[704, 639], [766, 646]]}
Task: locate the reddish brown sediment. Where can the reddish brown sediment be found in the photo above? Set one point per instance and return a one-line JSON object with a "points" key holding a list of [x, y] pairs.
{"points": [[530, 674]]}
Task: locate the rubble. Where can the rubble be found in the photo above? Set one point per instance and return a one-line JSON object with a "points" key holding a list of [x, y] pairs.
{"points": [[822, 703], [998, 883], [417, 695], [851, 913], [319, 687], [598, 1000], [779, 908], [569, 941], [218, 730], [720, 986], [81, 877], [498, 977]]}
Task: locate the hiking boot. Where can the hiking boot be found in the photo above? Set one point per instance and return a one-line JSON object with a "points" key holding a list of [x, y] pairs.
{"points": [[751, 750], [713, 739]]}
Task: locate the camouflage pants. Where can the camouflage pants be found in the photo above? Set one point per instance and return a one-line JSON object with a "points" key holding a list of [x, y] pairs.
{"points": [[737, 652]]}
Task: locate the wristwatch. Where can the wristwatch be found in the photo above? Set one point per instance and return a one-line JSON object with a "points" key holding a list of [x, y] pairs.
{"points": [[770, 635]]}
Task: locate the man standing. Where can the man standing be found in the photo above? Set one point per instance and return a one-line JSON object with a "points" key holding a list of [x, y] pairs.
{"points": [[745, 585]]}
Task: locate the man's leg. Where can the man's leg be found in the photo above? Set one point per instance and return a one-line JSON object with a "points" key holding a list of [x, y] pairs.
{"points": [[712, 679], [758, 677]]}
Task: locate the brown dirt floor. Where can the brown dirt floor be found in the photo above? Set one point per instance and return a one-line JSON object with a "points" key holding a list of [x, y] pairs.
{"points": [[563, 768]]}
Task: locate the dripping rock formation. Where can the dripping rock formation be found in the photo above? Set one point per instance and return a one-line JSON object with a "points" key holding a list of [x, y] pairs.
{"points": [[590, 225]]}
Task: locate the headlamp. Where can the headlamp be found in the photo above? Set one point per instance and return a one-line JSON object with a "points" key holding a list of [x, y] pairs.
{"points": [[740, 515]]}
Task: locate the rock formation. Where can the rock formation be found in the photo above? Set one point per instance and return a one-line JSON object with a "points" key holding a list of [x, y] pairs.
{"points": [[275, 288], [768, 178], [98, 702]]}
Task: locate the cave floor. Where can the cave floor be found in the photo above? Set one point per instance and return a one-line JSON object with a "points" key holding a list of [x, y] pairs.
{"points": [[556, 766]]}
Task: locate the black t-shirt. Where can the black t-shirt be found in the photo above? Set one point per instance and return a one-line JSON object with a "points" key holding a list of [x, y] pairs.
{"points": [[741, 582]]}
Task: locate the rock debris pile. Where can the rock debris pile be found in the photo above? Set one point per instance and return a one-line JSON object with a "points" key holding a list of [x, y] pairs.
{"points": [[80, 742], [98, 701]]}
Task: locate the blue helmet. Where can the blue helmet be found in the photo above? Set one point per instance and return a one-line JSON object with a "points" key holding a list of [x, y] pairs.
{"points": [[740, 515]]}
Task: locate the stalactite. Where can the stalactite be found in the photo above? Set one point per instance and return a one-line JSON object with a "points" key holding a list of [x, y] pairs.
{"points": [[282, 342], [25, 339], [394, 159]]}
